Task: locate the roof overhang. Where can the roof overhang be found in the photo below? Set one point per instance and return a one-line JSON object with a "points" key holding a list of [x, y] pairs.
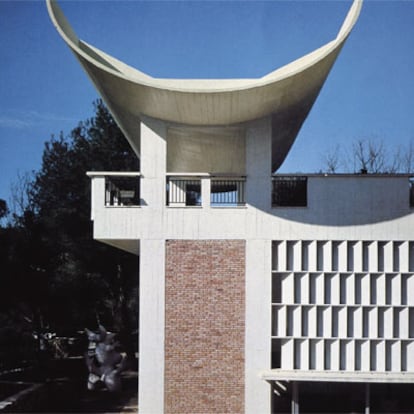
{"points": [[286, 94]]}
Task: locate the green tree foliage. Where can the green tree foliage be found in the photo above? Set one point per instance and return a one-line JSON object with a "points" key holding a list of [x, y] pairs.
{"points": [[22, 290], [3, 208], [62, 277]]}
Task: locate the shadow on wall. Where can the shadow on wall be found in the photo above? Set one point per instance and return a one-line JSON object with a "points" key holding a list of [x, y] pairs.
{"points": [[346, 200]]}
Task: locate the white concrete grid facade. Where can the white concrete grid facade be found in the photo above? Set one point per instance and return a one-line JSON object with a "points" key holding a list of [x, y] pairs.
{"points": [[344, 305]]}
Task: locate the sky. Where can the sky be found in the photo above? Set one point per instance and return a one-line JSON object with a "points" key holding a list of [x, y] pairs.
{"points": [[368, 95]]}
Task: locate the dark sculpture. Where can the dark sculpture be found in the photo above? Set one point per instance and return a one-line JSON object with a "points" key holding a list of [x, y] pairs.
{"points": [[106, 363]]}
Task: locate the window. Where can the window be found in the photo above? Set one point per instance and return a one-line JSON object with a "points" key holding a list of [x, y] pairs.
{"points": [[289, 191]]}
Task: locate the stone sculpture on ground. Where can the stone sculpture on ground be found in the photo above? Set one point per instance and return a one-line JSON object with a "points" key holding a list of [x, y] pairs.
{"points": [[106, 363]]}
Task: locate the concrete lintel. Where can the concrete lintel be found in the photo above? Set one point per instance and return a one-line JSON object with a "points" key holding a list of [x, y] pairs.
{"points": [[338, 376], [113, 174]]}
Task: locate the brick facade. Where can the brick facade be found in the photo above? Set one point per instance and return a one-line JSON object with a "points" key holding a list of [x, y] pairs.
{"points": [[204, 326]]}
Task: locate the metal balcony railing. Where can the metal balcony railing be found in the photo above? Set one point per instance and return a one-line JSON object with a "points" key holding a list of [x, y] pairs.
{"points": [[289, 191], [119, 189], [203, 190], [411, 186], [183, 191], [122, 190], [227, 192]]}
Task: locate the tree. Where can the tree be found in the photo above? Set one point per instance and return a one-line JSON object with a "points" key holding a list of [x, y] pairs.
{"points": [[370, 156], [20, 200], [332, 161], [77, 281], [3, 209], [21, 281]]}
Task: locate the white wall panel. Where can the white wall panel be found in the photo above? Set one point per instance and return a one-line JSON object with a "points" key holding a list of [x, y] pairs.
{"points": [[342, 257], [358, 257], [365, 356], [388, 257], [327, 256], [287, 354], [404, 257], [410, 356], [312, 256], [365, 289], [373, 257]]}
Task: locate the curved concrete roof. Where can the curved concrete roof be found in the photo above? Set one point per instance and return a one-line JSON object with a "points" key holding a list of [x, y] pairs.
{"points": [[287, 94]]}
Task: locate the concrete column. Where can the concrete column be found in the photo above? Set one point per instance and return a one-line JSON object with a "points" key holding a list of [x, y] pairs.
{"points": [[98, 195], [152, 272], [205, 192], [153, 163], [295, 398], [258, 308], [258, 267], [367, 398], [151, 327], [258, 164]]}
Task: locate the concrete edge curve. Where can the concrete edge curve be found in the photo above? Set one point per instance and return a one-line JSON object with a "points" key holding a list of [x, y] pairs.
{"points": [[118, 68]]}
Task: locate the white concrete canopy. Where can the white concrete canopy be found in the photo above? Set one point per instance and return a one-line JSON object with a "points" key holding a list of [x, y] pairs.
{"points": [[286, 94]]}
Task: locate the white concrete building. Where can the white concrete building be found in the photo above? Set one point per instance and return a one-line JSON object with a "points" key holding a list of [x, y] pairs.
{"points": [[259, 293]]}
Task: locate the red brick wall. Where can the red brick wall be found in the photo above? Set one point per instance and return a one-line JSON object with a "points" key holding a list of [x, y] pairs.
{"points": [[204, 326]]}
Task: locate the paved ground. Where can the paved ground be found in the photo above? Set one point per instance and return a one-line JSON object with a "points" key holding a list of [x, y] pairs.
{"points": [[66, 390], [104, 402]]}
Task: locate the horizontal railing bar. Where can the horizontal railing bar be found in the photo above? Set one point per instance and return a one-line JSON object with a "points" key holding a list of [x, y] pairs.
{"points": [[343, 175], [194, 174], [198, 175], [113, 174], [228, 178], [227, 175]]}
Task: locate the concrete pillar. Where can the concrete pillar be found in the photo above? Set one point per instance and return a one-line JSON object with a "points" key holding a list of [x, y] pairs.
{"points": [[153, 163], [295, 398], [151, 327], [367, 398], [258, 308], [258, 164], [258, 267], [152, 272], [98, 195], [205, 192]]}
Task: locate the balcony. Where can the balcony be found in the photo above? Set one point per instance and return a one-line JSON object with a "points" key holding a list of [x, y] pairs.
{"points": [[121, 190], [203, 190], [129, 206], [228, 192], [183, 191]]}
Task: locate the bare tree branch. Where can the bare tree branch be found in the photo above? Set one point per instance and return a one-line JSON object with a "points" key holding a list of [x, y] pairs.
{"points": [[371, 156], [20, 199]]}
